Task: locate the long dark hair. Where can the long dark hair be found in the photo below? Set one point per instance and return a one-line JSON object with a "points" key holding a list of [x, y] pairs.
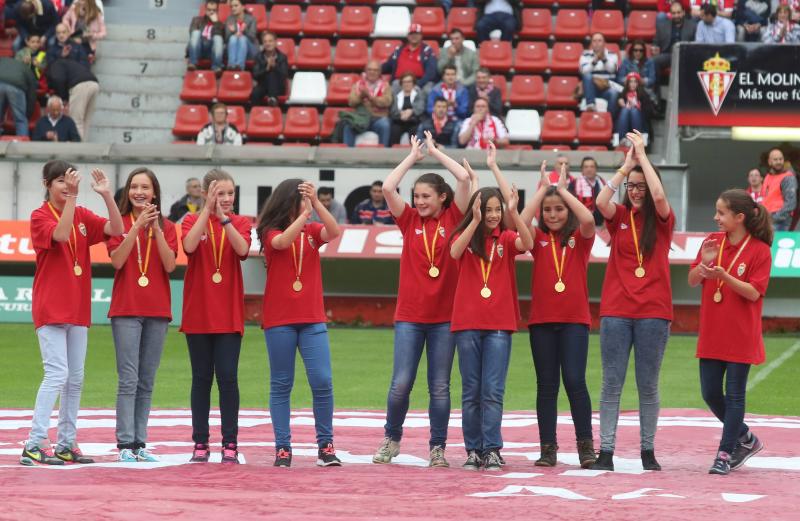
{"points": [[52, 170], [648, 238], [124, 203], [280, 208], [757, 219], [439, 185], [572, 222], [478, 241]]}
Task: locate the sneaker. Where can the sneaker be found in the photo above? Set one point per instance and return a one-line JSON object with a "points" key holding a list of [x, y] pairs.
{"points": [[73, 455], [387, 450], [41, 454], [549, 455], [437, 457], [191, 67], [326, 457], [492, 461], [127, 456], [590, 107], [744, 451], [722, 465], [502, 461], [649, 460], [200, 453], [144, 455], [605, 461], [473, 461], [586, 454], [283, 458], [230, 454]]}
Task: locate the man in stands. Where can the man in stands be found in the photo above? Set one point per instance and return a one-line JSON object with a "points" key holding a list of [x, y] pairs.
{"points": [[497, 15], [64, 48], [336, 209], [668, 33], [724, 7], [192, 202], [207, 38], [713, 28], [587, 186], [219, 131], [55, 125], [562, 161], [18, 88], [371, 97], [39, 17], [373, 210], [482, 128], [270, 72], [75, 83], [598, 68], [751, 17], [454, 94], [484, 88], [416, 57], [780, 191], [443, 129], [464, 59]]}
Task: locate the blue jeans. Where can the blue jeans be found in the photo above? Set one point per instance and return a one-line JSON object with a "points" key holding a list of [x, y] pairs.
{"points": [[591, 93], [282, 345], [483, 358], [200, 47], [648, 338], [381, 126], [560, 350], [18, 101], [629, 119], [410, 338], [782, 225], [240, 48], [728, 407], [507, 23]]}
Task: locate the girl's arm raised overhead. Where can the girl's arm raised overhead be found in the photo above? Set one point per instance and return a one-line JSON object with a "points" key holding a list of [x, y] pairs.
{"points": [[534, 203], [525, 240], [604, 201], [192, 238], [474, 182], [461, 243], [462, 191], [502, 184], [585, 217], [653, 182], [63, 230], [392, 181]]}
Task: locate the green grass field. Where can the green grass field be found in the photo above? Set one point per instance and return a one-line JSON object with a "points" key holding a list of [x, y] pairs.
{"points": [[362, 365]]}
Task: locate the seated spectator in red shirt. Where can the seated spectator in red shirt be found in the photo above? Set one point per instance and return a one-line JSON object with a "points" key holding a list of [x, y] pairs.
{"points": [[269, 72], [484, 88], [373, 210], [85, 22], [55, 125], [415, 57], [206, 38], [482, 128], [66, 48], [755, 182], [443, 128], [587, 186]]}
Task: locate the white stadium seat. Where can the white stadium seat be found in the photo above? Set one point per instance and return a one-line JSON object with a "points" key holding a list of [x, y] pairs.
{"points": [[523, 125]]}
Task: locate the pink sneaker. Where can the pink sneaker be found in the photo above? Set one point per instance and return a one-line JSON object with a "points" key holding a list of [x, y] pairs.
{"points": [[200, 453], [230, 454]]}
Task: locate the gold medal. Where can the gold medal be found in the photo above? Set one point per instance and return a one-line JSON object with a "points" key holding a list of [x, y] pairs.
{"points": [[298, 262], [486, 292], [297, 286], [144, 281], [639, 272], [718, 296], [433, 272], [720, 283], [560, 287], [77, 270], [216, 278], [486, 270]]}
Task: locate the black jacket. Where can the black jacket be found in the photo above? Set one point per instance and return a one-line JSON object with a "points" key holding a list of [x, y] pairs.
{"points": [[65, 74], [664, 32], [495, 100], [274, 80], [65, 129]]}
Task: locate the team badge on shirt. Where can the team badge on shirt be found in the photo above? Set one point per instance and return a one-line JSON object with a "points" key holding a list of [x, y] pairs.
{"points": [[417, 231], [741, 268], [203, 237], [571, 242], [312, 243], [542, 243], [82, 229], [623, 226], [500, 251], [441, 232]]}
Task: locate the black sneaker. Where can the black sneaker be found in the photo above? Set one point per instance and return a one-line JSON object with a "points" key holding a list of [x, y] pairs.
{"points": [[38, 454], [502, 461], [605, 461], [200, 453], [283, 458], [473, 461], [721, 464], [491, 461], [649, 460], [326, 457], [230, 453], [548, 456], [744, 451]]}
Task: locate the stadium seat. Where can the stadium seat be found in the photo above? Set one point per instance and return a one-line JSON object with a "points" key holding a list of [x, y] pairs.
{"points": [[526, 91], [610, 23], [356, 22], [285, 19], [320, 20], [339, 87], [530, 57], [350, 55], [523, 125], [469, 44], [314, 53], [595, 128], [641, 25], [561, 91], [259, 12], [308, 88], [392, 22], [434, 44], [555, 148], [431, 19], [537, 24], [236, 117], [593, 148], [382, 49], [6, 48], [329, 118], [301, 123], [496, 56], [264, 123], [287, 47], [462, 18], [199, 86], [564, 58], [499, 81], [189, 119], [573, 3], [558, 126], [571, 24], [235, 87], [643, 4]]}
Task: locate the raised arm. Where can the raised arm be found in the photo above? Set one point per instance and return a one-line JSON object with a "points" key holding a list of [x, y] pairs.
{"points": [[192, 239], [461, 243], [462, 191], [702, 271], [331, 227], [533, 205], [102, 186], [653, 181], [525, 240], [603, 201], [390, 184], [285, 239], [502, 184], [63, 230], [474, 181], [585, 217]]}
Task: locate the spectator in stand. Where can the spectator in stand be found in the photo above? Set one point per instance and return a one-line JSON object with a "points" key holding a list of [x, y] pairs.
{"points": [[782, 29], [190, 203], [33, 54], [407, 108], [500, 15], [793, 4], [482, 128], [373, 210], [678, 28], [587, 186], [219, 131], [241, 36], [635, 107], [755, 185], [55, 125], [416, 57], [751, 17], [66, 48], [206, 38], [780, 191], [598, 68], [75, 83], [637, 61], [269, 72], [485, 88], [18, 89], [464, 59], [371, 97], [456, 96], [619, 5], [39, 17], [86, 25], [562, 161], [663, 8], [336, 209], [713, 28], [724, 7], [443, 129]]}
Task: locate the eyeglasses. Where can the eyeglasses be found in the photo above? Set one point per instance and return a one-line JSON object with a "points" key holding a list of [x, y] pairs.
{"points": [[638, 49], [642, 187]]}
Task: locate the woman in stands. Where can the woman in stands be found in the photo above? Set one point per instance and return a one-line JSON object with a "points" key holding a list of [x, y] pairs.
{"points": [[216, 241], [141, 310], [755, 185], [636, 302], [635, 107], [84, 19], [62, 232], [241, 36], [733, 266], [425, 296], [293, 316]]}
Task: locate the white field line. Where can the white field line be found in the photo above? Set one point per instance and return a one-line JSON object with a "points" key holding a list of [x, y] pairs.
{"points": [[765, 372]]}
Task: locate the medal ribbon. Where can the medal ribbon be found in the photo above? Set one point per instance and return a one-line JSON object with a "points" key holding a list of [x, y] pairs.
{"points": [[73, 245], [217, 258], [735, 258], [143, 270], [559, 266], [431, 255], [298, 264], [639, 256], [485, 270]]}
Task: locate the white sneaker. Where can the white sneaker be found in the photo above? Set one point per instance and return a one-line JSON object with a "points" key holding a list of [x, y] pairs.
{"points": [[387, 450]]}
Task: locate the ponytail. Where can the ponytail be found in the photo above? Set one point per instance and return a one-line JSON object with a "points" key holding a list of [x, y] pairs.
{"points": [[439, 185], [757, 219]]}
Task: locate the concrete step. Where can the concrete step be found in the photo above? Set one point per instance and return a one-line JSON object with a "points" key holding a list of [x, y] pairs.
{"points": [[165, 13], [134, 119], [103, 134], [121, 83], [136, 101], [140, 67], [142, 50], [148, 33]]}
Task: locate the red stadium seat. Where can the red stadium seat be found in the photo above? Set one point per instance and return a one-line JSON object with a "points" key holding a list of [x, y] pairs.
{"points": [[264, 123], [301, 123], [561, 91], [431, 19], [496, 56], [189, 119], [643, 4], [609, 23], [339, 87], [382, 49], [199, 86], [595, 128], [571, 24], [235, 87], [350, 55], [500, 82], [260, 14], [537, 24], [462, 18], [558, 126], [530, 57], [434, 44], [236, 117], [593, 148], [287, 47], [320, 20], [564, 58], [329, 118], [526, 91], [641, 25], [573, 3], [356, 22], [314, 53], [285, 19]]}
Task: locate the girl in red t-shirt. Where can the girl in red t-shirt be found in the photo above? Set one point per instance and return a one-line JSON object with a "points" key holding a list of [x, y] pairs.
{"points": [[293, 316], [140, 309], [62, 233], [733, 267], [215, 241]]}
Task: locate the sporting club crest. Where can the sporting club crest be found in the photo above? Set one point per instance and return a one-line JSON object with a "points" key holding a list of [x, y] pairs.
{"points": [[716, 79]]}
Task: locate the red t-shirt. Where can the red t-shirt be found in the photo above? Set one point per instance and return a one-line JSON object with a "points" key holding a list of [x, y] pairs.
{"points": [[501, 310], [59, 296], [128, 298], [547, 305], [625, 295], [209, 307], [282, 305], [410, 61], [420, 297], [730, 330]]}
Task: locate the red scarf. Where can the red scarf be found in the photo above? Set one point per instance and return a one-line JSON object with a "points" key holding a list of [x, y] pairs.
{"points": [[375, 90], [439, 125], [757, 196], [450, 95], [483, 142]]}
